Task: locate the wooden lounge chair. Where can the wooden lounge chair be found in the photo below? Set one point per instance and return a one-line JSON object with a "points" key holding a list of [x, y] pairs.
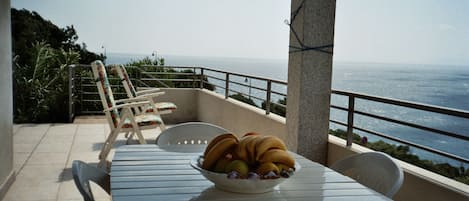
{"points": [[125, 117], [162, 107]]}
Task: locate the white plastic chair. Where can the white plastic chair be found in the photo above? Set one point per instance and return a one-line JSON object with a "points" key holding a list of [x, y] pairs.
{"points": [[84, 173], [375, 170], [190, 133]]}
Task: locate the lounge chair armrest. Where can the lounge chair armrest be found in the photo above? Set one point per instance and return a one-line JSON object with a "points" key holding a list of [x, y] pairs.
{"points": [[128, 105], [130, 100], [152, 95], [147, 91]]}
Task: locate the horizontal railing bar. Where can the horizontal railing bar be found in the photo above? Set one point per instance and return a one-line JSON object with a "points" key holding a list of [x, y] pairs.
{"points": [[184, 67], [175, 80], [338, 122], [166, 73], [414, 144], [213, 77], [339, 107], [437, 131], [90, 78], [409, 104], [246, 85], [278, 93], [248, 76]]}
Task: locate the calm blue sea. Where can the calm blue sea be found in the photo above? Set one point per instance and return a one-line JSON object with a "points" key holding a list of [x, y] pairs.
{"points": [[440, 85]]}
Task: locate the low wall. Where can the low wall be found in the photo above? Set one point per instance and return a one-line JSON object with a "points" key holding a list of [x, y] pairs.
{"points": [[186, 101], [239, 117]]}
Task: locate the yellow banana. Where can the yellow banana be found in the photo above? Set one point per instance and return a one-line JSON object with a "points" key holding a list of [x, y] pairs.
{"points": [[251, 148], [217, 139], [283, 167], [268, 142], [278, 156], [250, 133], [218, 150], [241, 150], [265, 168]]}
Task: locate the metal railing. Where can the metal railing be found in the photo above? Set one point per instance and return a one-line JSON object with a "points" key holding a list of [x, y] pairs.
{"points": [[229, 83], [351, 111]]}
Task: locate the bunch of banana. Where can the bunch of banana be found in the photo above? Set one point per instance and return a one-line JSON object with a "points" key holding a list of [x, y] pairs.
{"points": [[217, 148], [264, 155]]}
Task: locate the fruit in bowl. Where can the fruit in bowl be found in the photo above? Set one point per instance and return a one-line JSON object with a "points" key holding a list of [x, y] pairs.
{"points": [[252, 164]]}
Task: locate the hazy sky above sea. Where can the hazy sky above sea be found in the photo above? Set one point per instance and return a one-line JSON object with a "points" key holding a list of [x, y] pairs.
{"points": [[395, 31]]}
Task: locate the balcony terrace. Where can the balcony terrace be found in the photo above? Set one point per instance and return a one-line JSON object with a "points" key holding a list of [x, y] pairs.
{"points": [[42, 153]]}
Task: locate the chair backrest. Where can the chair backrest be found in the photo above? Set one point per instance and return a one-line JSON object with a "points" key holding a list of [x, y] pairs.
{"points": [[105, 92], [128, 86], [375, 170], [84, 173], [190, 133]]}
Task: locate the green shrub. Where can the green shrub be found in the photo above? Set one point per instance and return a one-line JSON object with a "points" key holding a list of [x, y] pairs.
{"points": [[243, 99], [41, 85]]}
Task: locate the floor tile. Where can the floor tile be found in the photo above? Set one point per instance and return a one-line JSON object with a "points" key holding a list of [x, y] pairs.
{"points": [[43, 155], [48, 159]]}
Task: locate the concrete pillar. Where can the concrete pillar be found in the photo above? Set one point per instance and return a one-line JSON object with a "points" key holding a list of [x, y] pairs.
{"points": [[6, 100], [309, 76]]}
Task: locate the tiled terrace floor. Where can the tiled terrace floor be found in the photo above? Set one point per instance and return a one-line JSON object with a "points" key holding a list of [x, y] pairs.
{"points": [[43, 155]]}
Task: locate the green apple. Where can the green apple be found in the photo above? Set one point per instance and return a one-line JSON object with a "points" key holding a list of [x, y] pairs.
{"points": [[239, 166], [221, 165]]}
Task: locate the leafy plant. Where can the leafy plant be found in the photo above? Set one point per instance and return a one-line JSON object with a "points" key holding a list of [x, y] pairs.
{"points": [[277, 108], [243, 99], [42, 84], [169, 76]]}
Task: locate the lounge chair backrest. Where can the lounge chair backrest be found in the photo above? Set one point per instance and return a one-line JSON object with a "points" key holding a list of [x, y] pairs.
{"points": [[128, 86], [105, 92]]}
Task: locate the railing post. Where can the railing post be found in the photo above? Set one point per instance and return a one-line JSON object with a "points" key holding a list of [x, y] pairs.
{"points": [[268, 93], [227, 85], [201, 78], [81, 89], [71, 104], [193, 77], [139, 76], [351, 111]]}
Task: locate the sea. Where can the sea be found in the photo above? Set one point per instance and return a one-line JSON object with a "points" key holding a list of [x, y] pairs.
{"points": [[440, 85]]}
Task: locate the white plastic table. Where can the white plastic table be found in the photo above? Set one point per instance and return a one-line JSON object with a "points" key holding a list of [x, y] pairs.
{"points": [[149, 172]]}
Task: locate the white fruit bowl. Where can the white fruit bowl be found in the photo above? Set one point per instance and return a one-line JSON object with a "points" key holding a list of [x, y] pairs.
{"points": [[222, 182]]}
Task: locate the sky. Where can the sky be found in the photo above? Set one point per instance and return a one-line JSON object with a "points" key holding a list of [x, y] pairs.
{"points": [[383, 31]]}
